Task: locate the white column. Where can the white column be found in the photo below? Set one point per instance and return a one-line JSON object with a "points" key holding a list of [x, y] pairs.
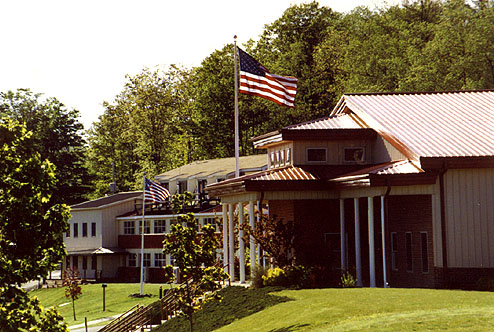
{"points": [[252, 224], [342, 235], [259, 216], [167, 230], [225, 236], [383, 237], [372, 260], [358, 260], [231, 250], [241, 244]]}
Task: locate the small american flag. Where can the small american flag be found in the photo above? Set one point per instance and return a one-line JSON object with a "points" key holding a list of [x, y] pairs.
{"points": [[256, 80], [154, 192]]}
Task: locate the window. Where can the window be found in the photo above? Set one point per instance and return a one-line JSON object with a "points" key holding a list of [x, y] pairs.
{"points": [[316, 155], [282, 157], [159, 226], [278, 159], [75, 262], [84, 229], [210, 221], [201, 185], [132, 260], [147, 227], [220, 179], [273, 160], [159, 260], [394, 251], [354, 155], [182, 186], [76, 229], [84, 262], [94, 263], [67, 234], [93, 229], [408, 245], [288, 158], [129, 227], [147, 260], [425, 256]]}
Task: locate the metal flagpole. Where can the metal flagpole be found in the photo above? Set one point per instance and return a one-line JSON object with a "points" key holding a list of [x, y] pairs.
{"points": [[237, 172], [142, 230]]}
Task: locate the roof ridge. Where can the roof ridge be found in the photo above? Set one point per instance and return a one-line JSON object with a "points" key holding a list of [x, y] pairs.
{"points": [[415, 92]]}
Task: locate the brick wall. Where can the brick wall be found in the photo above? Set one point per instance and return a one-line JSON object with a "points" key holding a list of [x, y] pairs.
{"points": [[411, 214]]}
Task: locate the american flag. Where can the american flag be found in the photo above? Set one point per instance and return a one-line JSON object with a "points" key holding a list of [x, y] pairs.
{"points": [[154, 192], [256, 80]]}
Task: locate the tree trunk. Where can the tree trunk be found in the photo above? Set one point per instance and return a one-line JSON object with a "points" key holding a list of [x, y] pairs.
{"points": [[73, 308]]}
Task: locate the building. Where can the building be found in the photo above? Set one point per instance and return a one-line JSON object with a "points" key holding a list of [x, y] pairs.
{"points": [[396, 188], [104, 237]]}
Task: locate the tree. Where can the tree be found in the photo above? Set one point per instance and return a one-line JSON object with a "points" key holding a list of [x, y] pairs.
{"points": [[72, 283], [58, 137], [195, 255], [31, 229]]}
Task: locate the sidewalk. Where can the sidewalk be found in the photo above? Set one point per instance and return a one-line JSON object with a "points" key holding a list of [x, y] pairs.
{"points": [[82, 327]]}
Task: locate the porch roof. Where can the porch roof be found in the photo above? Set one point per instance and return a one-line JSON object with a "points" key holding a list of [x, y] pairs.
{"points": [[95, 251], [401, 172]]}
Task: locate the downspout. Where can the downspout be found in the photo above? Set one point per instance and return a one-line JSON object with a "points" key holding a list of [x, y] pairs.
{"points": [[444, 246]]}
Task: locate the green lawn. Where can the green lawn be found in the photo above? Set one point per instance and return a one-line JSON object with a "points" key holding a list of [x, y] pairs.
{"points": [[90, 303], [348, 310]]}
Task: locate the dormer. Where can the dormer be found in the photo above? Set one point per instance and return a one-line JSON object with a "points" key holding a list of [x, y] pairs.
{"points": [[329, 141]]}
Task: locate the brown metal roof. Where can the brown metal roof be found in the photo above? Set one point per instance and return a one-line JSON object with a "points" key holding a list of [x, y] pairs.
{"points": [[435, 124], [287, 173], [342, 121]]}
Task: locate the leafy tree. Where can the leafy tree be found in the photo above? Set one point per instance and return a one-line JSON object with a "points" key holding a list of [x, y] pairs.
{"points": [[31, 229], [276, 237], [195, 255], [72, 282], [57, 136], [147, 128]]}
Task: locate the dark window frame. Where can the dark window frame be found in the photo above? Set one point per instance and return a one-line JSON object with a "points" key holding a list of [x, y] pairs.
{"points": [[409, 251], [424, 250], [314, 155], [93, 229], [76, 230], [84, 229]]}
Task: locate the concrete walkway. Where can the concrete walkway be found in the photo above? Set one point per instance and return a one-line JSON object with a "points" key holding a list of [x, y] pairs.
{"points": [[82, 327]]}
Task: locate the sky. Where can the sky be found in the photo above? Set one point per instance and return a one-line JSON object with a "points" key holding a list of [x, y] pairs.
{"points": [[81, 51]]}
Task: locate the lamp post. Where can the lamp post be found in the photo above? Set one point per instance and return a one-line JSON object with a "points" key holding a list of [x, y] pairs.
{"points": [[104, 287]]}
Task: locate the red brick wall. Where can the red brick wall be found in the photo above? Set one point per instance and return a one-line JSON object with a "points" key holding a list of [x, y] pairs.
{"points": [[134, 241], [411, 213]]}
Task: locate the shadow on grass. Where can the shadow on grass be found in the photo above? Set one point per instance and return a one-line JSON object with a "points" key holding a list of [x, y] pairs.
{"points": [[238, 302], [290, 328]]}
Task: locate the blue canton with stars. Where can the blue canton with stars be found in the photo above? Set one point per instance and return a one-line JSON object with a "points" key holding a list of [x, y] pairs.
{"points": [[249, 64]]}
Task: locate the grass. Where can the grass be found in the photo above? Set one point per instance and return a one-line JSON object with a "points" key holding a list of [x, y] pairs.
{"points": [[363, 309], [90, 303]]}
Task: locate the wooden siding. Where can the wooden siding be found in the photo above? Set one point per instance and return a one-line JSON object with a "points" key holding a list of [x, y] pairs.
{"points": [[277, 148], [383, 151], [109, 225], [334, 151], [469, 199]]}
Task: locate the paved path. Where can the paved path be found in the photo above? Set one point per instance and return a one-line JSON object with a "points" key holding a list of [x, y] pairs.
{"points": [[82, 328]]}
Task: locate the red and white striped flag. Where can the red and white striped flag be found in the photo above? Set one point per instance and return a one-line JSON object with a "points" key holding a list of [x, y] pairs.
{"points": [[256, 80], [154, 192]]}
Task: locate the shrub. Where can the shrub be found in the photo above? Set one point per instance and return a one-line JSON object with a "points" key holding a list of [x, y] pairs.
{"points": [[275, 277], [347, 280], [293, 276], [259, 273]]}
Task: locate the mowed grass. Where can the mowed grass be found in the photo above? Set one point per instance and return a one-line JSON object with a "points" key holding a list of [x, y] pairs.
{"points": [[90, 303], [361, 309]]}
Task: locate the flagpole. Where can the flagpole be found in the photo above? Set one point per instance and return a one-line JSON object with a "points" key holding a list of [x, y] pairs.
{"points": [[142, 230], [237, 172]]}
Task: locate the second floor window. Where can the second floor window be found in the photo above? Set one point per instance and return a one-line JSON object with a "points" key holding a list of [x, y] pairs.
{"points": [[76, 229], [159, 226], [129, 227], [316, 155], [182, 186], [147, 227], [93, 229], [84, 229]]}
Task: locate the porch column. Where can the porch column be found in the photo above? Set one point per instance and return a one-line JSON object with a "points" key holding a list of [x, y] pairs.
{"points": [[259, 249], [167, 230], [343, 236], [372, 260], [231, 250], [358, 260], [252, 224], [224, 211], [241, 244], [385, 277]]}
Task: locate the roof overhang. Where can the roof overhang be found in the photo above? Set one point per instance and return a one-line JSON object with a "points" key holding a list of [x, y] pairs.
{"points": [[456, 162], [95, 251]]}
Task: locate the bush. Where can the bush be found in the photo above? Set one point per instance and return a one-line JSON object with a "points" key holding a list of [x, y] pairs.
{"points": [[347, 280], [293, 276], [259, 273]]}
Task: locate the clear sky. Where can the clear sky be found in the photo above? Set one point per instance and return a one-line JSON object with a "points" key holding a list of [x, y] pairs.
{"points": [[80, 51]]}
